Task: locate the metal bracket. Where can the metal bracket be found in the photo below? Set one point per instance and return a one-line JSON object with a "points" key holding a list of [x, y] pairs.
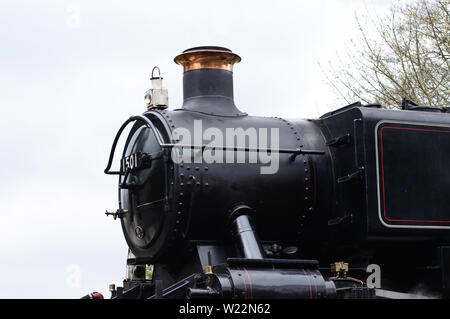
{"points": [[118, 213], [340, 140], [352, 177], [347, 219]]}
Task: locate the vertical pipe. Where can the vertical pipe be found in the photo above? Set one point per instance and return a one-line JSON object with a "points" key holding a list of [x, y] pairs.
{"points": [[246, 238]]}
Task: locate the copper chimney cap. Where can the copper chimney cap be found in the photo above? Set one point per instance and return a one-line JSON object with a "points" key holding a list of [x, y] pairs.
{"points": [[207, 57]]}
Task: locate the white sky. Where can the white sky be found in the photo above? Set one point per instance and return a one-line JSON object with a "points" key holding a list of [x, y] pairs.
{"points": [[66, 88]]}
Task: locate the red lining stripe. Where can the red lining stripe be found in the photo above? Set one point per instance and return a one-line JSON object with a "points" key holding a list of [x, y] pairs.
{"points": [[314, 281], [382, 175], [309, 283], [250, 282]]}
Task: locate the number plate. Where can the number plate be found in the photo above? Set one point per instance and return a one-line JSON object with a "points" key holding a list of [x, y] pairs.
{"points": [[131, 162]]}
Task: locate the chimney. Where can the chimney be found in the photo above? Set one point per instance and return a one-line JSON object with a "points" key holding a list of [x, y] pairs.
{"points": [[208, 80]]}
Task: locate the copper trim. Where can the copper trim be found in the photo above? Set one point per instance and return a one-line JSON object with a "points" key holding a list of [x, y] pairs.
{"points": [[207, 59]]}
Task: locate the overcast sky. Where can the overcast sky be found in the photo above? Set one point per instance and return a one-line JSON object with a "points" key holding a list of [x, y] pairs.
{"points": [[72, 71]]}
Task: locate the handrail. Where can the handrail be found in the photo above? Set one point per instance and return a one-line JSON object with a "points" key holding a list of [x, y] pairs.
{"points": [[161, 143], [133, 118]]}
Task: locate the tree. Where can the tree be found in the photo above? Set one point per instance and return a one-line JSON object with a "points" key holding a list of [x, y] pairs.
{"points": [[406, 56]]}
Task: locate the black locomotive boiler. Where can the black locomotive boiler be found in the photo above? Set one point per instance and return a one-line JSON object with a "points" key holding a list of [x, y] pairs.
{"points": [[227, 205]]}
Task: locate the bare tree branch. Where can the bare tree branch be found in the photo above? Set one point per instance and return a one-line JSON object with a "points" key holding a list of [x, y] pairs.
{"points": [[407, 56]]}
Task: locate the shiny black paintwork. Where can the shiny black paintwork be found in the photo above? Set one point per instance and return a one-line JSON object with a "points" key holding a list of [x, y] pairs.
{"points": [[326, 202]]}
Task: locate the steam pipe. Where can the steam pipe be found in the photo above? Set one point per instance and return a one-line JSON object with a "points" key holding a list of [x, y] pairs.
{"points": [[246, 237], [202, 293]]}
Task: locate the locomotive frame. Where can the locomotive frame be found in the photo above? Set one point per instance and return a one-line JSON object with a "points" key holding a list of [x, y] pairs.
{"points": [[215, 230]]}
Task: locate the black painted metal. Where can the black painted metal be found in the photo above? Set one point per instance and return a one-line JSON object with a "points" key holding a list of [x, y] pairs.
{"points": [[207, 47], [209, 91], [193, 188], [119, 133], [246, 238], [208, 82], [325, 200], [358, 180], [267, 278]]}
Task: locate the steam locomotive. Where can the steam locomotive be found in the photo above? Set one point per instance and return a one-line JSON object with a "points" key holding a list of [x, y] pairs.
{"points": [[355, 204]]}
